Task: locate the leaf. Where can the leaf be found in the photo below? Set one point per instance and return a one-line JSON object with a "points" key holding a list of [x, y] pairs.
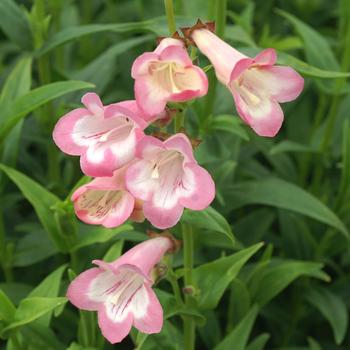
{"points": [[7, 309], [32, 248], [106, 62], [313, 344], [259, 342], [314, 43], [308, 69], [17, 84], [95, 234], [208, 219], [72, 33], [333, 308], [286, 195], [76, 346], [239, 336], [213, 278], [34, 99], [291, 146], [42, 201], [114, 251], [16, 291], [279, 275], [15, 24], [30, 309], [229, 123], [49, 287]]}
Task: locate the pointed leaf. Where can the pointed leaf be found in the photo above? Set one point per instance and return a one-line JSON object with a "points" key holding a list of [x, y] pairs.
{"points": [[214, 277]]}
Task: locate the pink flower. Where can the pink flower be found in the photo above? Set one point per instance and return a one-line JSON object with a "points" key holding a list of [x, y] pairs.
{"points": [[121, 291], [257, 85], [166, 74], [105, 201], [167, 178], [104, 137]]}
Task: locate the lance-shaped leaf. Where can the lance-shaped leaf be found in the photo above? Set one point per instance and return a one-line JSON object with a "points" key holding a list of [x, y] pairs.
{"points": [[213, 278]]}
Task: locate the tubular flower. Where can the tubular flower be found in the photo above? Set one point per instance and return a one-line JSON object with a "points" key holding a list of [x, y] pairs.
{"points": [[257, 85], [166, 74], [167, 178], [104, 137], [105, 201], [121, 291]]}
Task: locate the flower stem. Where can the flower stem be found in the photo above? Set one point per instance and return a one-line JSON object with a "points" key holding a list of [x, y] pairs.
{"points": [[189, 325], [169, 10]]}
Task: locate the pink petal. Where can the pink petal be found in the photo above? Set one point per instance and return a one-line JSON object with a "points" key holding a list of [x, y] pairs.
{"points": [[240, 67], [267, 57], [114, 330], [93, 103], [63, 132], [142, 257], [160, 217], [222, 56], [150, 96], [78, 290], [104, 165], [139, 181], [193, 83], [166, 42], [148, 147], [182, 144], [140, 65], [284, 84], [176, 54], [147, 319], [265, 118], [199, 188]]}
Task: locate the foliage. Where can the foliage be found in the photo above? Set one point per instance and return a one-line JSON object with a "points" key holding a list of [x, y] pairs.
{"points": [[291, 192]]}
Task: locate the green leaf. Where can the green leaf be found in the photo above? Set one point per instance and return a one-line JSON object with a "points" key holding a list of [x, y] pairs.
{"points": [[229, 123], [34, 99], [286, 195], [32, 248], [214, 277], [291, 146], [42, 201], [30, 309], [94, 234], [76, 346], [313, 344], [314, 43], [106, 62], [333, 308], [15, 24], [308, 69], [239, 336], [18, 82], [259, 342], [114, 251], [278, 276], [72, 33], [7, 309], [208, 219]]}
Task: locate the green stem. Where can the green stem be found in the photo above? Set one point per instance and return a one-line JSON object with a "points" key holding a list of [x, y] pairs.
{"points": [[189, 325], [169, 10], [175, 286], [179, 121]]}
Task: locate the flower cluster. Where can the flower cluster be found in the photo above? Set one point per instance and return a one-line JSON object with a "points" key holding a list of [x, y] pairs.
{"points": [[138, 176]]}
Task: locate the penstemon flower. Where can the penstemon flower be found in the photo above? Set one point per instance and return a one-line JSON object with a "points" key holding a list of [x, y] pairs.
{"points": [[166, 74], [257, 85], [105, 201], [167, 178], [121, 291], [104, 137]]}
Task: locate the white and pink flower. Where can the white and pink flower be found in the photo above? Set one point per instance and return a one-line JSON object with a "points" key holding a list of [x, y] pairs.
{"points": [[104, 137], [166, 74], [121, 291], [257, 85], [168, 179], [105, 201]]}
